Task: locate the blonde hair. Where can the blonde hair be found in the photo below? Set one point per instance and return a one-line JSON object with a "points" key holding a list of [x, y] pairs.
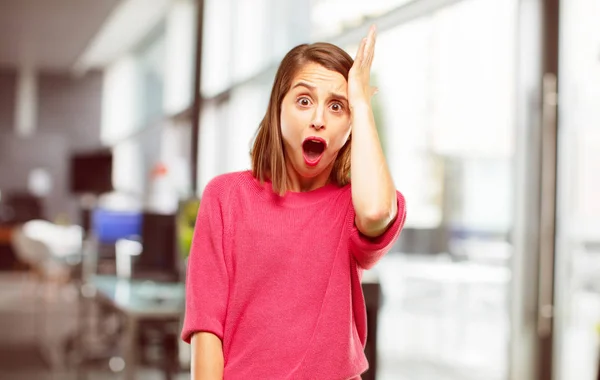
{"points": [[268, 160]]}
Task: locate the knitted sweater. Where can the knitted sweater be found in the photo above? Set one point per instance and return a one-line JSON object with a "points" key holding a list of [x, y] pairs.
{"points": [[278, 279]]}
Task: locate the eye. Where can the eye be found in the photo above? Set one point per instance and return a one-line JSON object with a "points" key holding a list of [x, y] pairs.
{"points": [[303, 101], [337, 107]]}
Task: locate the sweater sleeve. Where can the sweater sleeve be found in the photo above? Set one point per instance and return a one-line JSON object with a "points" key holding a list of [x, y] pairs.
{"points": [[207, 280], [368, 251]]}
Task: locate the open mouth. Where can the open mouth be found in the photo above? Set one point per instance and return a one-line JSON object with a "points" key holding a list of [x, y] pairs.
{"points": [[313, 148]]}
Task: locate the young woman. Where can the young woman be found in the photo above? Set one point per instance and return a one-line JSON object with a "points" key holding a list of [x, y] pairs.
{"points": [[274, 275]]}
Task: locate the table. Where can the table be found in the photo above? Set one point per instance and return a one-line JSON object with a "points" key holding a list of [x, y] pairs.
{"points": [[137, 301]]}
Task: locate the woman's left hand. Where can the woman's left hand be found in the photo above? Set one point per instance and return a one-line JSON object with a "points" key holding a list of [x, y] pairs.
{"points": [[359, 87]]}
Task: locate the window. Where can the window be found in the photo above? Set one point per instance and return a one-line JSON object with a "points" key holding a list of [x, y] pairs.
{"points": [[331, 17], [243, 44], [227, 130]]}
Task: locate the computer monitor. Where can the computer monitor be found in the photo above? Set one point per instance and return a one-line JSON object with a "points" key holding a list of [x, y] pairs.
{"points": [[159, 259], [91, 172]]}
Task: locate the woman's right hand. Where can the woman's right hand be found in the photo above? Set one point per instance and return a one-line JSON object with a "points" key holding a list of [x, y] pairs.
{"points": [[207, 357]]}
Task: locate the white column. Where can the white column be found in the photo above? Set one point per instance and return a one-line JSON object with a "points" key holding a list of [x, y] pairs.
{"points": [[27, 102]]}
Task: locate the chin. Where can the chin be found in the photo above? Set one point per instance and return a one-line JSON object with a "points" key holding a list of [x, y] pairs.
{"points": [[310, 171]]}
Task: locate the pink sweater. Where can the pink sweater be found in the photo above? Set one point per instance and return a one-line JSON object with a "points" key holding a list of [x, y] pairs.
{"points": [[278, 279]]}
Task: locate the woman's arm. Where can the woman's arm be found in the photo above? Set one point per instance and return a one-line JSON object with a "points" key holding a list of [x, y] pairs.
{"points": [[373, 190], [207, 357]]}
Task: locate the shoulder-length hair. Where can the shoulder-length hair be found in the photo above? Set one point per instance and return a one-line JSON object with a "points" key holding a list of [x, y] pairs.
{"points": [[268, 160]]}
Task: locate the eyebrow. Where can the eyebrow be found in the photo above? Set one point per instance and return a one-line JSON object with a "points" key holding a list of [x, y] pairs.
{"points": [[312, 87]]}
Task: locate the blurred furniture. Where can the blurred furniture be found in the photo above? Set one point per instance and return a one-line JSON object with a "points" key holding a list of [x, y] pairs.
{"points": [[6, 234], [49, 249], [372, 292], [37, 254], [108, 226], [159, 259], [8, 260], [52, 252], [142, 304], [142, 290], [16, 208], [21, 207]]}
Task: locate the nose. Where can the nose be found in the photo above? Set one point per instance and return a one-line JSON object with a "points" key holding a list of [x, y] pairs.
{"points": [[318, 120]]}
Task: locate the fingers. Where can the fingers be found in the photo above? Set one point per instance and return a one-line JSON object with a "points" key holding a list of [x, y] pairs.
{"points": [[360, 53], [369, 49], [366, 49]]}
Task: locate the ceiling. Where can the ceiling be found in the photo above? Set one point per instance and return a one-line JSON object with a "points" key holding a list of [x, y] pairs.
{"points": [[49, 34]]}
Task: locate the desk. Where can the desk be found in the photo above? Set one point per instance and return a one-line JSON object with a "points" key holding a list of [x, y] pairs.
{"points": [[138, 301], [141, 298]]}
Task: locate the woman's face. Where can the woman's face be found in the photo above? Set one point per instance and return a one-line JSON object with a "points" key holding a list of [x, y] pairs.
{"points": [[315, 120]]}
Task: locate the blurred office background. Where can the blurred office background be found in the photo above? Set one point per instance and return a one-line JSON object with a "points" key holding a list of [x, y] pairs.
{"points": [[115, 114]]}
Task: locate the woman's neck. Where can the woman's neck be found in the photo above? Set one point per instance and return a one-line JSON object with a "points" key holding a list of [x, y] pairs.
{"points": [[297, 183]]}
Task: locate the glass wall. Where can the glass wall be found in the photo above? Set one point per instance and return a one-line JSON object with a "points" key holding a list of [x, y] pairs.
{"points": [[446, 110], [243, 43], [145, 91], [577, 287]]}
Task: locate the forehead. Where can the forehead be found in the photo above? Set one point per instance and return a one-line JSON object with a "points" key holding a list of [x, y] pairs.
{"points": [[320, 77]]}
